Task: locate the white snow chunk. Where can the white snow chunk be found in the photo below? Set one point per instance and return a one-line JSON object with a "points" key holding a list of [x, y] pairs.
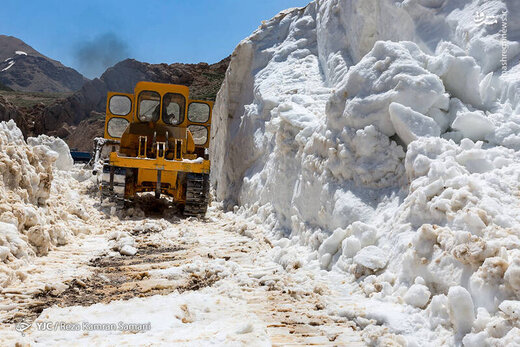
{"points": [[351, 245], [512, 274], [438, 311], [193, 161], [4, 252], [473, 125], [333, 242], [409, 125], [417, 295], [330, 246], [475, 340], [10, 239], [64, 161], [390, 72], [122, 239], [461, 309], [246, 328], [511, 308], [371, 257], [20, 53], [296, 115], [458, 71], [367, 234], [128, 250]]}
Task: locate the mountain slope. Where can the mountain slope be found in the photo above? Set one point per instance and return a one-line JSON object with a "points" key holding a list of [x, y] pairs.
{"points": [[63, 117], [25, 69]]}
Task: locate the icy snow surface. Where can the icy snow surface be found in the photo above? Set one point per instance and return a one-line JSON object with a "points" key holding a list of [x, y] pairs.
{"points": [[384, 135]]}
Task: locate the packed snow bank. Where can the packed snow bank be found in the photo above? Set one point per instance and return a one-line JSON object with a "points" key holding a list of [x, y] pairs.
{"points": [[38, 206], [385, 136], [64, 160], [25, 170]]}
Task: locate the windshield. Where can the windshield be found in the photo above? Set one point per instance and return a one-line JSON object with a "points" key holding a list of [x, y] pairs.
{"points": [[148, 103], [173, 108]]}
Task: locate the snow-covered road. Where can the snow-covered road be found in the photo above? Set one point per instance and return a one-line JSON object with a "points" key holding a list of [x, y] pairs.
{"points": [[196, 282]]}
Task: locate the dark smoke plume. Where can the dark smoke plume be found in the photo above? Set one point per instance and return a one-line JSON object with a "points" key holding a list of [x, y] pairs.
{"points": [[95, 56]]}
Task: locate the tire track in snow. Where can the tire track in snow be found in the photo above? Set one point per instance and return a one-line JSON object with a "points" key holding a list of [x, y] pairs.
{"points": [[222, 253]]}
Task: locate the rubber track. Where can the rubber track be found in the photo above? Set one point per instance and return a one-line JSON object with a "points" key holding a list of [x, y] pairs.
{"points": [[197, 194]]}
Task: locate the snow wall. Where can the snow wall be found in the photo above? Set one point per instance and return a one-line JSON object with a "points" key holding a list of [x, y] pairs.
{"points": [[386, 135], [38, 208]]}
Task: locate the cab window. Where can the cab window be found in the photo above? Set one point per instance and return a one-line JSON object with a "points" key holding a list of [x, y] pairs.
{"points": [[148, 103], [198, 112], [116, 126], [199, 133], [120, 105], [173, 108]]}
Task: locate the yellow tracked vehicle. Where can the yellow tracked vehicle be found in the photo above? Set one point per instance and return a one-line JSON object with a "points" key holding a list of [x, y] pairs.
{"points": [[156, 140]]}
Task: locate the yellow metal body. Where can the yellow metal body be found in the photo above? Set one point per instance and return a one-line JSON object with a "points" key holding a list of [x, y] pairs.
{"points": [[160, 164], [175, 151]]}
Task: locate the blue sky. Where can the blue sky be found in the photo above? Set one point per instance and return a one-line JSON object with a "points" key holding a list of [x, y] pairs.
{"points": [[89, 34]]}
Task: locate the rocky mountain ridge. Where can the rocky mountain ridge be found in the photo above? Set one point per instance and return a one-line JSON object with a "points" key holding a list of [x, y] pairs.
{"points": [[22, 68], [79, 117]]}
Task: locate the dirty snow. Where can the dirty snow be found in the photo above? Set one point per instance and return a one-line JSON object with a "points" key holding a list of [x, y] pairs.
{"points": [[64, 160], [38, 207]]}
